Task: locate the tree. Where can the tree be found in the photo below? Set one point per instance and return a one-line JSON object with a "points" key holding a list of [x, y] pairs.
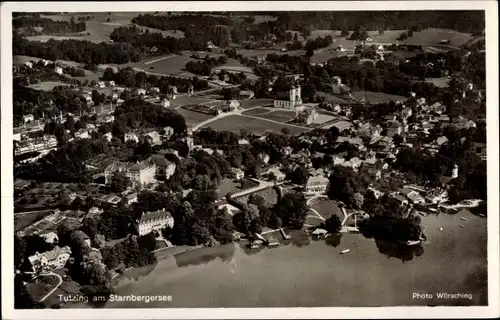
{"points": [[148, 242], [357, 200], [120, 182], [19, 250], [300, 175], [292, 209], [99, 241], [381, 31], [285, 131], [333, 224]]}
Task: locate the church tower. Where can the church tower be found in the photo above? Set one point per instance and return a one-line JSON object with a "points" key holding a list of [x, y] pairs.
{"points": [[454, 172]]}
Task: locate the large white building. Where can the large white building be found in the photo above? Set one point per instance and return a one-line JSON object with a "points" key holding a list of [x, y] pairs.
{"points": [[290, 100], [154, 221], [317, 184], [50, 260]]}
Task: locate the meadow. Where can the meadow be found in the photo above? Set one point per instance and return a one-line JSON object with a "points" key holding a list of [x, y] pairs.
{"points": [[235, 123]]}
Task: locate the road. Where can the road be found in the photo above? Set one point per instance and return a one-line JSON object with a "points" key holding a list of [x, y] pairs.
{"points": [[54, 289]]}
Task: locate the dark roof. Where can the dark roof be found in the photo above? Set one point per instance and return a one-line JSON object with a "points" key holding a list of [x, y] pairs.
{"points": [[154, 216]]}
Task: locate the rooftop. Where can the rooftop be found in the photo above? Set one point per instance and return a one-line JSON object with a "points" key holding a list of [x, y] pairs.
{"points": [[155, 216]]}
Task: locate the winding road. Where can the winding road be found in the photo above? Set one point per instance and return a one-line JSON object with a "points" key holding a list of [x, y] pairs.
{"points": [[54, 289]]}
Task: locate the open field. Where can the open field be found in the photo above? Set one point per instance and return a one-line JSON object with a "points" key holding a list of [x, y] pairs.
{"points": [[377, 97], [235, 123], [229, 185], [327, 209], [193, 118], [322, 118], [246, 104], [99, 28], [439, 82], [47, 85]]}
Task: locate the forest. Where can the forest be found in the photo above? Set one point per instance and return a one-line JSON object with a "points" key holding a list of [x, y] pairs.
{"points": [[49, 26]]}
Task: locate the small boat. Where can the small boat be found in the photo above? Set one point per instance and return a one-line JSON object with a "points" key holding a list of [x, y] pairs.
{"points": [[462, 226], [440, 228], [463, 218], [345, 251], [433, 210], [274, 244], [412, 242]]}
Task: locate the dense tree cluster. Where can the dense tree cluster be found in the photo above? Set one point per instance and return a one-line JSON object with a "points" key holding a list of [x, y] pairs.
{"points": [[463, 21], [132, 252], [49, 26], [205, 66], [146, 40], [82, 51], [131, 78]]}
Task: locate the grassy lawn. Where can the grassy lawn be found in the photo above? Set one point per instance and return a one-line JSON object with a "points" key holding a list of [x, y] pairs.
{"points": [[192, 117], [327, 209], [313, 220], [235, 123], [246, 104], [377, 97], [47, 85]]}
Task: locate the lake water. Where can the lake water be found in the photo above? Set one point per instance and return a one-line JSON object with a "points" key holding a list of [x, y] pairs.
{"points": [[315, 274]]}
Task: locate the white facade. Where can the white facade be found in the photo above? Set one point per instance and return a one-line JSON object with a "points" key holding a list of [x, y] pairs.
{"points": [[294, 101], [58, 70], [28, 118], [154, 221], [237, 173], [50, 260], [318, 184], [131, 137]]}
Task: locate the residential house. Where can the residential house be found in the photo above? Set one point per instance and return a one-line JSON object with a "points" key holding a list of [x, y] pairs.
{"points": [[377, 193], [237, 173], [28, 64], [374, 173], [130, 136], [164, 168], [317, 184], [114, 96], [290, 100], [119, 102], [153, 137], [395, 127], [367, 130], [101, 85], [154, 221], [155, 89], [83, 236], [141, 92], [287, 151], [169, 151], [413, 195], [481, 150], [94, 211], [50, 260], [58, 70], [28, 118], [231, 210], [406, 112], [49, 236], [111, 83], [358, 142]]}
